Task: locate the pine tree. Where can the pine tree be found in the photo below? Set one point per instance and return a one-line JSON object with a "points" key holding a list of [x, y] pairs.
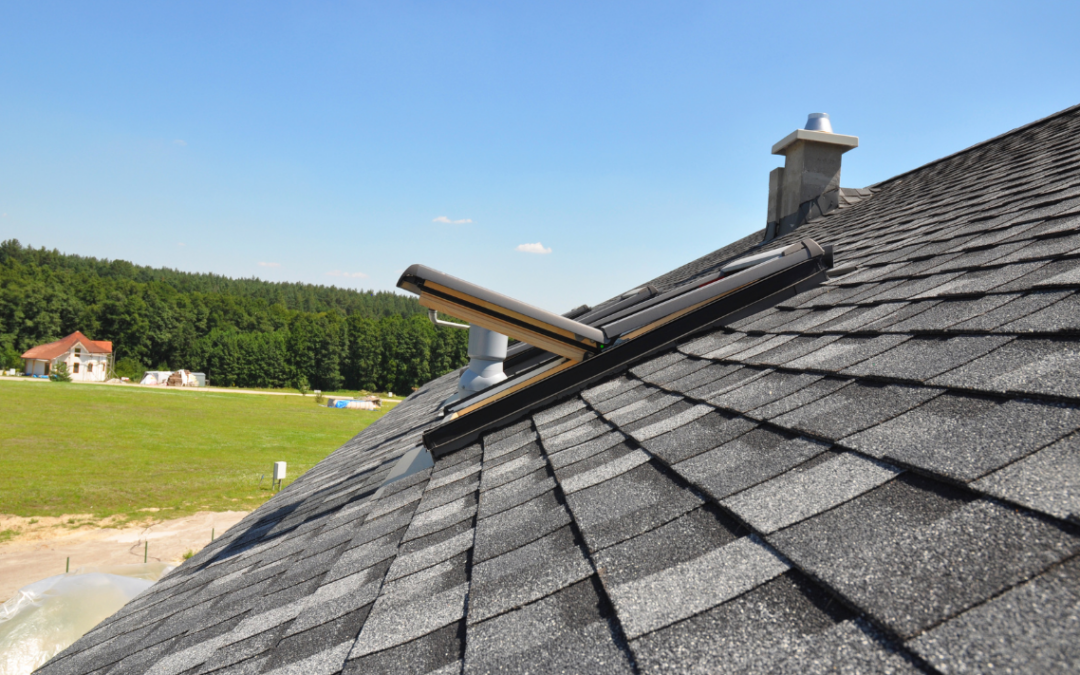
{"points": [[60, 373]]}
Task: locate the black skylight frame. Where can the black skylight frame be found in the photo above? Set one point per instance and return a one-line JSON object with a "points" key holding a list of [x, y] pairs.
{"points": [[568, 378]]}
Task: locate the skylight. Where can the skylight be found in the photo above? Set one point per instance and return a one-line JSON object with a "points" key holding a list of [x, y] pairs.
{"points": [[639, 324]]}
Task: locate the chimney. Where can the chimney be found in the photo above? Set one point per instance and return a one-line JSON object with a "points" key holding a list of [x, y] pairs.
{"points": [[809, 183]]}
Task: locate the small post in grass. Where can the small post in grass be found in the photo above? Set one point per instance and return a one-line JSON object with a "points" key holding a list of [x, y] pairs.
{"points": [[211, 534], [279, 475], [67, 568], [146, 552]]}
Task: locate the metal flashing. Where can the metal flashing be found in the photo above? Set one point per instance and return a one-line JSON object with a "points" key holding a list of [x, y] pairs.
{"points": [[686, 297], [411, 462]]}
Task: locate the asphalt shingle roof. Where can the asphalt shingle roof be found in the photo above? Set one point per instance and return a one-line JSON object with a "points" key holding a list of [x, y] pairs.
{"points": [[879, 475]]}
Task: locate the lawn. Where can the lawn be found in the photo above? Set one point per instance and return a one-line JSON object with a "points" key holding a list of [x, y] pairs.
{"points": [[101, 450], [355, 393]]}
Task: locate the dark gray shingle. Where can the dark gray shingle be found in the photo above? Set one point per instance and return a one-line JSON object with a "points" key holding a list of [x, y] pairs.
{"points": [[982, 434], [914, 557]]}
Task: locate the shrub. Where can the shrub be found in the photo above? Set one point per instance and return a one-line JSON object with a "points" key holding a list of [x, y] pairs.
{"points": [[10, 357], [301, 385], [60, 373], [130, 368]]}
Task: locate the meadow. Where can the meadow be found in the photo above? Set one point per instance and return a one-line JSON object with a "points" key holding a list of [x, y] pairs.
{"points": [[125, 451]]}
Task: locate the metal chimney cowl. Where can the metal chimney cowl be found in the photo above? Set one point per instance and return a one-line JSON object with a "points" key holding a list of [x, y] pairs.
{"points": [[487, 351], [818, 122]]}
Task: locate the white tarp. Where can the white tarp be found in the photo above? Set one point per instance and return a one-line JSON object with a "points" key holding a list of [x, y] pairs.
{"points": [[161, 377], [156, 377], [46, 617]]}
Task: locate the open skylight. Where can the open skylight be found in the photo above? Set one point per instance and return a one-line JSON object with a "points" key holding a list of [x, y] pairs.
{"points": [[576, 354]]}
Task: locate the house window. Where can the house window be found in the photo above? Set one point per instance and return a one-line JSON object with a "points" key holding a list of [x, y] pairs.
{"points": [[75, 369], [89, 367], [78, 351]]}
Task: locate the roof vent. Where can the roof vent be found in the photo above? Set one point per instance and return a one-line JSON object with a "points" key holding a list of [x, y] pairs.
{"points": [[487, 351], [818, 122], [809, 183]]}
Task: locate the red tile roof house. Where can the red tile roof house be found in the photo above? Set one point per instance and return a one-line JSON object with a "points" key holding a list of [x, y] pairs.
{"points": [[87, 360]]}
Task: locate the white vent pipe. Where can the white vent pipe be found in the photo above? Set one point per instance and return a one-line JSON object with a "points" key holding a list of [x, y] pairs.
{"points": [[487, 351]]}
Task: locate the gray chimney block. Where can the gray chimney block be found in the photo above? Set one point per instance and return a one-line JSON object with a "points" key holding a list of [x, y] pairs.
{"points": [[809, 182]]}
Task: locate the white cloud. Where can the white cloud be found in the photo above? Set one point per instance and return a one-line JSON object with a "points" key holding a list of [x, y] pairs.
{"points": [[533, 248], [353, 275], [181, 244], [266, 264], [179, 142], [444, 219]]}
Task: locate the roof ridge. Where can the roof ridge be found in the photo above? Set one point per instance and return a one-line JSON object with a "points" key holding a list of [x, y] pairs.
{"points": [[1017, 130]]}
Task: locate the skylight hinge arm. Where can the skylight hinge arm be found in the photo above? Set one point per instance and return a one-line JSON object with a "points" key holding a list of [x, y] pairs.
{"points": [[434, 316]]}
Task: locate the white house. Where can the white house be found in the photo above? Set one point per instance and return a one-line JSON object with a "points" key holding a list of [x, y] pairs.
{"points": [[87, 360]]}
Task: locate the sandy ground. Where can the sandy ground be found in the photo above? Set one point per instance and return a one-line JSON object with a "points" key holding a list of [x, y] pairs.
{"points": [[41, 548]]}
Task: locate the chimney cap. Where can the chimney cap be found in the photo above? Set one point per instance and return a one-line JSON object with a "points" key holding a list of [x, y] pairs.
{"points": [[818, 122], [845, 143]]}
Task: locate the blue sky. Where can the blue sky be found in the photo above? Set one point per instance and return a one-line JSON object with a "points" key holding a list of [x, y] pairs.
{"points": [[323, 142]]}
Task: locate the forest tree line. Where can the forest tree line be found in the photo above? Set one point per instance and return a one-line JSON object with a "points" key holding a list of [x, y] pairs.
{"points": [[240, 332]]}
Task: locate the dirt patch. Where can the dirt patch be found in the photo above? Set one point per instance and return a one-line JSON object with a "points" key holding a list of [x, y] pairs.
{"points": [[40, 548]]}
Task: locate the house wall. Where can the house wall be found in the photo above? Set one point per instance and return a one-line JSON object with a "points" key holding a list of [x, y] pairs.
{"points": [[34, 367], [97, 361]]}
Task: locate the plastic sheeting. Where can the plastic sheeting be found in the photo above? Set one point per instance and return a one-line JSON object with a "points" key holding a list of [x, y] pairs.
{"points": [[46, 617], [355, 405]]}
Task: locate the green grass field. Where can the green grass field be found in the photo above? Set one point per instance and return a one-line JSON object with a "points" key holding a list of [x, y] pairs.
{"points": [[106, 451]]}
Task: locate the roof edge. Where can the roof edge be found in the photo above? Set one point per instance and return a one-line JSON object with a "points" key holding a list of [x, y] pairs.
{"points": [[970, 148]]}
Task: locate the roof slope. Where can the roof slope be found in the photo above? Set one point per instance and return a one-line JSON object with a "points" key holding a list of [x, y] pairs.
{"points": [[882, 475], [51, 350]]}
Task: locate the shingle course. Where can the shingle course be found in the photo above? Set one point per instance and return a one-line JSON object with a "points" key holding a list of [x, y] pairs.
{"points": [[627, 504], [746, 461], [1047, 481], [563, 632], [697, 436], [1030, 629], [786, 625], [664, 597], [921, 358], [526, 574], [808, 490], [913, 558], [982, 434], [854, 407]]}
